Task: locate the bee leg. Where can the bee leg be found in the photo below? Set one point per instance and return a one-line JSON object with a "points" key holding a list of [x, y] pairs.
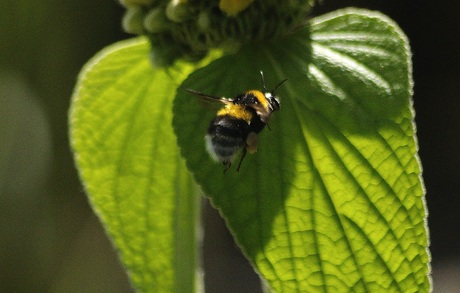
{"points": [[227, 166], [243, 154], [252, 141]]}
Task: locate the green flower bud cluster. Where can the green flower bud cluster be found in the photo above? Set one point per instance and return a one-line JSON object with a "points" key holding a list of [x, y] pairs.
{"points": [[190, 28]]}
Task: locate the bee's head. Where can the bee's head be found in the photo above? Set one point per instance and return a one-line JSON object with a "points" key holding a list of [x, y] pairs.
{"points": [[273, 101]]}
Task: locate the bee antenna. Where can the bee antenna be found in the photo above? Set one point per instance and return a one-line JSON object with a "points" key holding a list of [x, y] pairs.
{"points": [[276, 87], [263, 81]]}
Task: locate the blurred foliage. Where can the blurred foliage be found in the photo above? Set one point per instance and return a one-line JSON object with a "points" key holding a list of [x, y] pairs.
{"points": [[49, 239], [25, 153]]}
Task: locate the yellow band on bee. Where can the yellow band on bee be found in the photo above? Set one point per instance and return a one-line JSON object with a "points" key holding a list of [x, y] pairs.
{"points": [[236, 111], [260, 97]]}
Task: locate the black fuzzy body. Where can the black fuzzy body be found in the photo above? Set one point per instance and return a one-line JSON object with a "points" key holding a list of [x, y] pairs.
{"points": [[227, 135]]}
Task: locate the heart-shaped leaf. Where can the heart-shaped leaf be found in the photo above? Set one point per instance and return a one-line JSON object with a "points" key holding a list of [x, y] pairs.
{"points": [[127, 156], [333, 199]]}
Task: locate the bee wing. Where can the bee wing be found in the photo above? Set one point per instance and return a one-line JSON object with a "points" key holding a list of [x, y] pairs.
{"points": [[209, 98]]}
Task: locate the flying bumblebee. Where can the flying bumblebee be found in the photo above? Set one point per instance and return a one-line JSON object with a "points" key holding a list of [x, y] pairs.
{"points": [[236, 126]]}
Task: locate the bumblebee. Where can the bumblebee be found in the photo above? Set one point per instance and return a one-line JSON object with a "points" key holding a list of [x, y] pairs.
{"points": [[237, 125]]}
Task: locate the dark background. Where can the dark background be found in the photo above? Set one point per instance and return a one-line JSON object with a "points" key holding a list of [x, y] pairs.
{"points": [[50, 240]]}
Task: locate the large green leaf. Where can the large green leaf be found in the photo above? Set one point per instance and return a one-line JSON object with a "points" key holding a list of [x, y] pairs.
{"points": [[333, 199], [127, 156]]}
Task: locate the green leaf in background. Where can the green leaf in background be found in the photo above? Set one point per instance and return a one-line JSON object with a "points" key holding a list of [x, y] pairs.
{"points": [[333, 199], [127, 156]]}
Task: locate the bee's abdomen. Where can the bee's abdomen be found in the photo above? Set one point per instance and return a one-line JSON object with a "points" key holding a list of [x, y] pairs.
{"points": [[226, 136]]}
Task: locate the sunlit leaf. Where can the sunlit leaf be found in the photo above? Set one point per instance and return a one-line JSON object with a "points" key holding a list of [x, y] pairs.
{"points": [[333, 199], [128, 160]]}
